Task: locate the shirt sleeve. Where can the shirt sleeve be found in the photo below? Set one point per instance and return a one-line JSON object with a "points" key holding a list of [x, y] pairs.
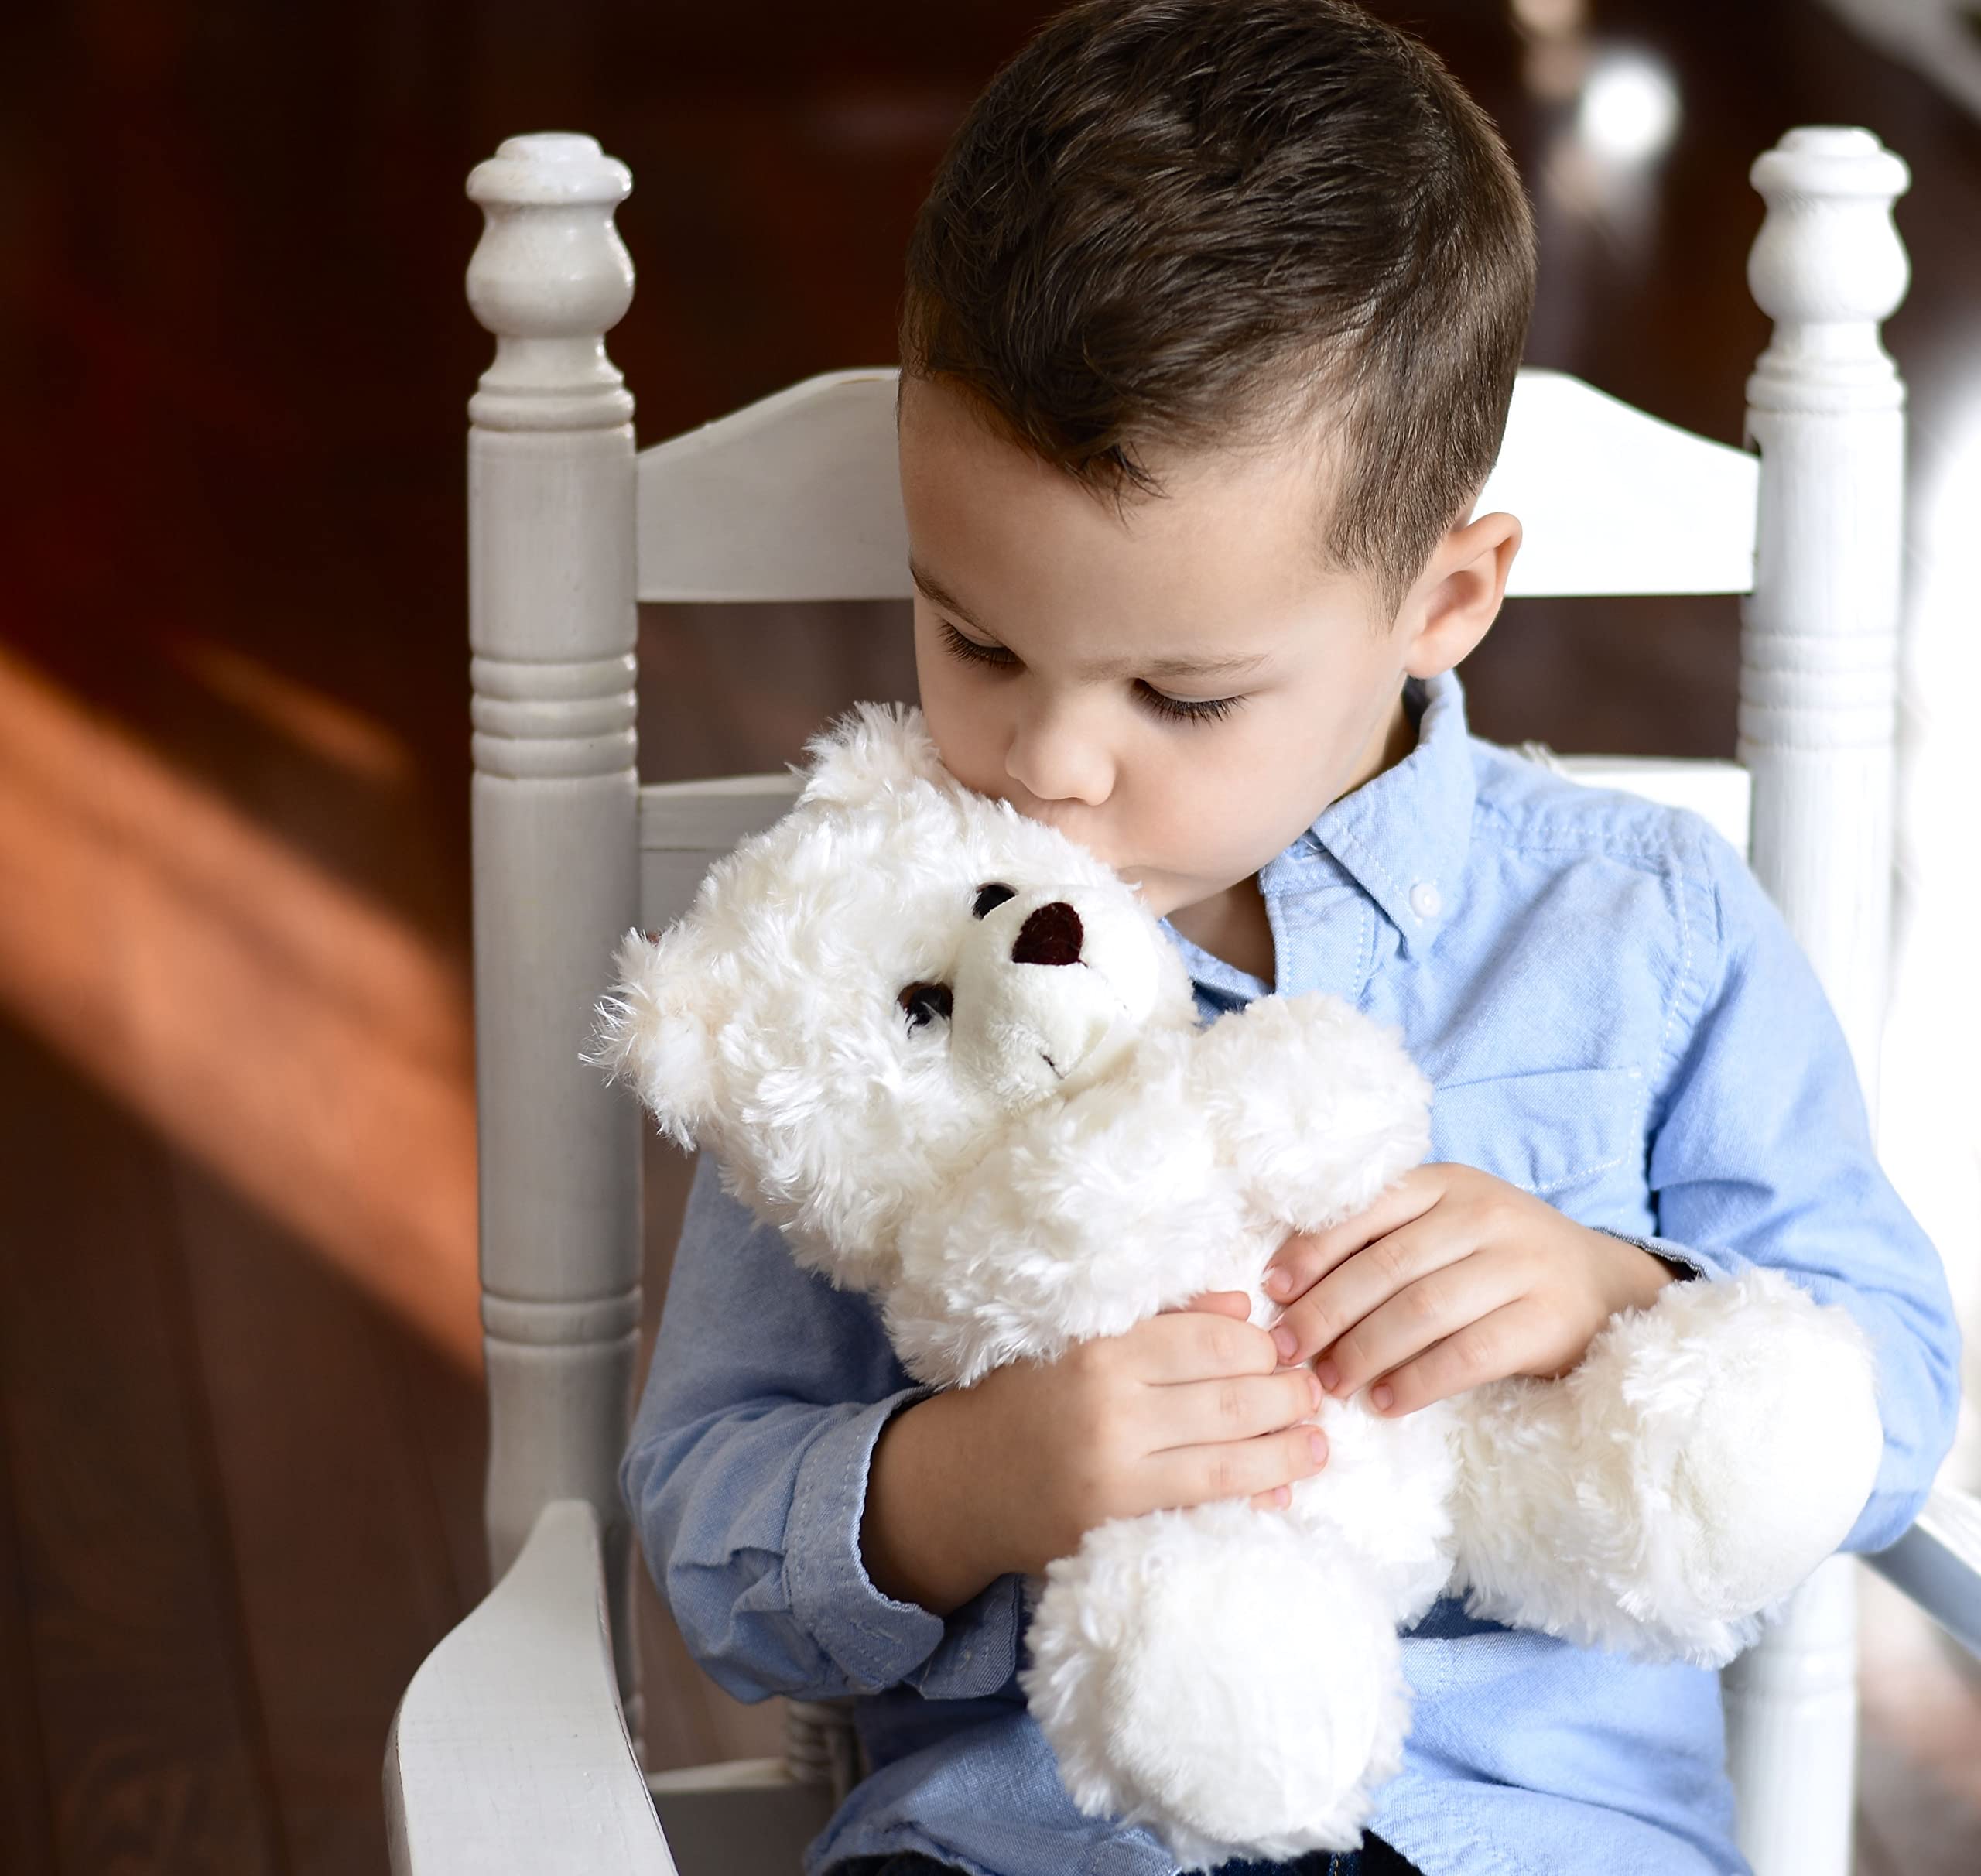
{"points": [[1761, 1152], [746, 1477]]}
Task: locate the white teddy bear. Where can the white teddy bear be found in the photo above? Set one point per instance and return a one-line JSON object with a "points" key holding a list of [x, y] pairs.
{"points": [[955, 1060]]}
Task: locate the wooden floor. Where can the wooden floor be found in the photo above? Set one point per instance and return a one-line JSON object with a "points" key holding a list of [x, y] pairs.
{"points": [[241, 1432]]}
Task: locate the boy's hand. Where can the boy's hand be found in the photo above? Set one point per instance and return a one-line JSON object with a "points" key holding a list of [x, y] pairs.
{"points": [[1007, 1474], [1186, 1407], [1451, 1279]]}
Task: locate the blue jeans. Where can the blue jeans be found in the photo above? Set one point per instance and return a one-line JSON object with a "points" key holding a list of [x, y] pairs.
{"points": [[1375, 1858]]}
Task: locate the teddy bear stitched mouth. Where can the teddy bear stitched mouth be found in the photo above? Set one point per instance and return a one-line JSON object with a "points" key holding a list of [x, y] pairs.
{"points": [[1051, 935]]}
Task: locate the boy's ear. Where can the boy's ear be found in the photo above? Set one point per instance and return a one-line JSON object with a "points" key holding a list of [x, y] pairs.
{"points": [[651, 1031], [1459, 594], [873, 748]]}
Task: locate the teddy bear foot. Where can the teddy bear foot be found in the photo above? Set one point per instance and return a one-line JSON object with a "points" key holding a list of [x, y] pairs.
{"points": [[1665, 1497], [1132, 1643]]}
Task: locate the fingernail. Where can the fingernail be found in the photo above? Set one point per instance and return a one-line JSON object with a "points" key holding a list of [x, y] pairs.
{"points": [[1278, 1282], [1327, 1375], [1282, 1495], [1285, 1341], [1318, 1442], [1316, 1393], [1381, 1397]]}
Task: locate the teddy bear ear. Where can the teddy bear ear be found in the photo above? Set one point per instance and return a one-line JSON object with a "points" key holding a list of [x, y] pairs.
{"points": [[874, 749], [651, 1034]]}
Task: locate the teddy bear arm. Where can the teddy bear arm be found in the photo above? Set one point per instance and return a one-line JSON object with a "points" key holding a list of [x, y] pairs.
{"points": [[1317, 1107], [1664, 1498]]}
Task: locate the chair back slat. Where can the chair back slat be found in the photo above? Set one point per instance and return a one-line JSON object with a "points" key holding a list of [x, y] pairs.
{"points": [[686, 826], [1612, 500], [798, 497]]}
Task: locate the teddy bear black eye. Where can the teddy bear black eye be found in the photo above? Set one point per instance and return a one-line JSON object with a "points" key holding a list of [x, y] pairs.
{"points": [[989, 898], [924, 1002]]}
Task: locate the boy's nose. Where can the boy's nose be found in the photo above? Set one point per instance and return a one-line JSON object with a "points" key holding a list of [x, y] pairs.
{"points": [[1050, 935]]}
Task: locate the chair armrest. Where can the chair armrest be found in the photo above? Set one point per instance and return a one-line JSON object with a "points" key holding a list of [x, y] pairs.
{"points": [[1938, 1563], [509, 1754]]}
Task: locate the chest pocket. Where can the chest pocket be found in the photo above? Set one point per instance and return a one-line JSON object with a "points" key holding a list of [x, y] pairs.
{"points": [[1546, 1131]]}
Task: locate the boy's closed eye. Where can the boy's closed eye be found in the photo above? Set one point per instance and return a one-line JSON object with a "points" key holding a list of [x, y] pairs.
{"points": [[999, 658]]}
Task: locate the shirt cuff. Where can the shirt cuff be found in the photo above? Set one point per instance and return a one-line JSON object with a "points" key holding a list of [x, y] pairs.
{"points": [[979, 1650], [1682, 1261], [876, 1641]]}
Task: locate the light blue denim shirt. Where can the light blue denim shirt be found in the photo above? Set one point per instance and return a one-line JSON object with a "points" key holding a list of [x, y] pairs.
{"points": [[1614, 1018]]}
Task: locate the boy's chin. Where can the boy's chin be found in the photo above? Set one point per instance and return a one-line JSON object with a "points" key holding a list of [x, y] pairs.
{"points": [[1162, 893]]}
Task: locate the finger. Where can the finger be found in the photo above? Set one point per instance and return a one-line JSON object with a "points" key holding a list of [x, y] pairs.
{"points": [[1187, 1345], [1196, 1475], [1365, 1282], [1217, 1302], [1437, 1306], [1276, 1500], [1490, 1349], [1234, 1407], [1308, 1256]]}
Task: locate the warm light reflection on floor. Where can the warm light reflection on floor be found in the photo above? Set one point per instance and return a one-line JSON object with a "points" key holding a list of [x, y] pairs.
{"points": [[328, 729], [261, 1016]]}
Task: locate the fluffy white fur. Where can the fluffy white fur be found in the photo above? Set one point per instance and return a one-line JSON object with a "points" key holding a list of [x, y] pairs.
{"points": [[1066, 1152]]}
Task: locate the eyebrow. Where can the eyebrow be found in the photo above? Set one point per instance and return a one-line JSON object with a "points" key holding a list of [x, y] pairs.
{"points": [[1236, 665]]}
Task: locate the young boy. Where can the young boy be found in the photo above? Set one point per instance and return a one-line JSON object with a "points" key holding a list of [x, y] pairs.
{"points": [[1213, 316]]}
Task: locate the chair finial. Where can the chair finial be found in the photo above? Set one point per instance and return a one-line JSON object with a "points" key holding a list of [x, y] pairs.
{"points": [[550, 278], [1828, 266]]}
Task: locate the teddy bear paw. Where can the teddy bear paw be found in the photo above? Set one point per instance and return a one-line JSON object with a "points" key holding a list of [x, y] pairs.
{"points": [[1707, 1454], [1209, 1673]]}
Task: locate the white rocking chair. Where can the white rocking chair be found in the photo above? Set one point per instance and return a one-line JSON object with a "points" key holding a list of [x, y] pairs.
{"points": [[512, 1751]]}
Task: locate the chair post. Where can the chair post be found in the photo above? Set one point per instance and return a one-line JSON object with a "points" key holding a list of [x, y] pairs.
{"points": [[1818, 660], [551, 624]]}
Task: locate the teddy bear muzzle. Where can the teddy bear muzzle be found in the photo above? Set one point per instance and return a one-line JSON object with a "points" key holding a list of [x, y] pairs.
{"points": [[1050, 987]]}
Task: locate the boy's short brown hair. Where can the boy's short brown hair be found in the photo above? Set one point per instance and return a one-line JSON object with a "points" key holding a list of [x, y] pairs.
{"points": [[1195, 223]]}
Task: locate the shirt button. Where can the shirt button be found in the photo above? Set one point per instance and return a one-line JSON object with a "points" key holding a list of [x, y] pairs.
{"points": [[1425, 900]]}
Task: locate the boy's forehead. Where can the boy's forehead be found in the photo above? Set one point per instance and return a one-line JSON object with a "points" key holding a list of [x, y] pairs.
{"points": [[992, 526], [1295, 463]]}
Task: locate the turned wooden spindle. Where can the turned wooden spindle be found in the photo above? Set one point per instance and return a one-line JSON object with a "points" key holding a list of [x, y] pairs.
{"points": [[551, 625], [1819, 666]]}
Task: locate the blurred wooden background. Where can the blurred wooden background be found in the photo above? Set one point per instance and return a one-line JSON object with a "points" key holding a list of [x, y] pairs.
{"points": [[240, 1433]]}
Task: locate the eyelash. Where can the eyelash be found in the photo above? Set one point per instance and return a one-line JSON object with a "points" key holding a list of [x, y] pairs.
{"points": [[1176, 709]]}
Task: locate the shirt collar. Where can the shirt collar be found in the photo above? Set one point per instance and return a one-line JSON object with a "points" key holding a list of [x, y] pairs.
{"points": [[1402, 836]]}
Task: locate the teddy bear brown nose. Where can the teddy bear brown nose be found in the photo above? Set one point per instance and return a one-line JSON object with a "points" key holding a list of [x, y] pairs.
{"points": [[1051, 935]]}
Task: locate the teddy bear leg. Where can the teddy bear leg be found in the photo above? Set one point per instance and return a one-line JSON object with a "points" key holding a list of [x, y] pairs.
{"points": [[1664, 1497], [1218, 1676]]}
